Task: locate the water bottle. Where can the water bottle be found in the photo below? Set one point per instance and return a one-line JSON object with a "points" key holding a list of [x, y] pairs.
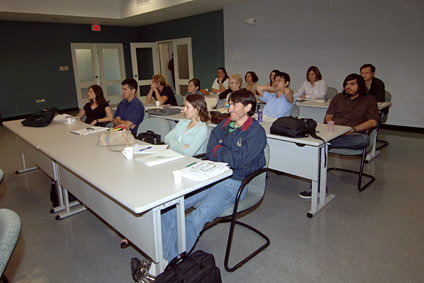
{"points": [[227, 106], [260, 115]]}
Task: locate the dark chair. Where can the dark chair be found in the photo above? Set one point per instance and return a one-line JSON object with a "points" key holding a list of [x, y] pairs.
{"points": [[351, 152], [384, 114], [10, 228], [254, 195]]}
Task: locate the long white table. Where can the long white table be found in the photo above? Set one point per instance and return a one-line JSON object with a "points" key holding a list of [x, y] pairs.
{"points": [[303, 157], [125, 193]]}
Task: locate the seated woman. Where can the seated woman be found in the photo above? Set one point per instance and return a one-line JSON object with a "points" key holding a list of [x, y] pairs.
{"points": [[272, 77], [235, 84], [194, 87], [314, 87], [279, 99], [220, 84], [251, 78], [189, 137], [161, 91], [98, 111]]}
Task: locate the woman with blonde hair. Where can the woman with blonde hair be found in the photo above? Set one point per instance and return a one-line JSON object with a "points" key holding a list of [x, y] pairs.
{"points": [[235, 84], [161, 91]]}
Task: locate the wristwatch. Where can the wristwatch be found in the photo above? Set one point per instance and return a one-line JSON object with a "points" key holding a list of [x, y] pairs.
{"points": [[354, 129]]}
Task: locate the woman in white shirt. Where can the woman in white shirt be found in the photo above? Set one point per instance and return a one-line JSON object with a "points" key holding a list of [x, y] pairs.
{"points": [[314, 87], [221, 83]]}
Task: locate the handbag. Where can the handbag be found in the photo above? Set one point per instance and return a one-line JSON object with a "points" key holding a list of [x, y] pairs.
{"points": [[119, 135], [149, 137], [196, 267], [294, 127], [40, 118]]}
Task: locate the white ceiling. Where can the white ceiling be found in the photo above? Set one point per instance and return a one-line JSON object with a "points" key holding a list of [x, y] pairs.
{"points": [[107, 12]]}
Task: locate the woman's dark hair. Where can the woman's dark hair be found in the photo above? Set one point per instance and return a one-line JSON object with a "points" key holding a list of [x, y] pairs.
{"points": [[196, 82], [226, 75], [98, 91], [316, 71], [199, 103], [245, 97], [254, 76], [273, 71], [362, 88]]}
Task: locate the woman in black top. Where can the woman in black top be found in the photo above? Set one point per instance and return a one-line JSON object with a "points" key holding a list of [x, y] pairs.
{"points": [[97, 111], [161, 91]]}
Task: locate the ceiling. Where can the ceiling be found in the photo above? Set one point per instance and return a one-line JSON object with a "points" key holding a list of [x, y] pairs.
{"points": [[107, 12]]}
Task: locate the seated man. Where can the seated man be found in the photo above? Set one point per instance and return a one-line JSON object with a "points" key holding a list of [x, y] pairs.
{"points": [[239, 141], [374, 86], [355, 108], [279, 98], [130, 110]]}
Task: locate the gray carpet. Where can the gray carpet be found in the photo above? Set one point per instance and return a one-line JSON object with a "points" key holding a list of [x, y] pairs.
{"points": [[373, 236]]}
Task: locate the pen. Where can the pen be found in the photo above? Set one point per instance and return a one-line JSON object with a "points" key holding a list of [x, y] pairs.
{"points": [[145, 148], [191, 164]]}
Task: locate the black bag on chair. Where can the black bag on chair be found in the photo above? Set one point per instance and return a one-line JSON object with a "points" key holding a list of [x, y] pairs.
{"points": [[196, 267], [40, 118], [149, 137]]}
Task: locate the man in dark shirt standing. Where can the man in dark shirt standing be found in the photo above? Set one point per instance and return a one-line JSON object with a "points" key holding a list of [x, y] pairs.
{"points": [[375, 86], [356, 108]]}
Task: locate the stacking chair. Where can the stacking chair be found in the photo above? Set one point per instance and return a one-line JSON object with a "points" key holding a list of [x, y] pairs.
{"points": [[180, 99], [254, 195], [295, 111], [10, 228], [351, 152], [384, 114], [331, 92], [158, 125]]}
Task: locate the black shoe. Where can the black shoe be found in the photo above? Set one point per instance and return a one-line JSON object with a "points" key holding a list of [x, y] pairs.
{"points": [[308, 194]]}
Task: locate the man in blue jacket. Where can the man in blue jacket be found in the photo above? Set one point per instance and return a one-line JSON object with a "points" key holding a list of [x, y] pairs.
{"points": [[239, 141]]}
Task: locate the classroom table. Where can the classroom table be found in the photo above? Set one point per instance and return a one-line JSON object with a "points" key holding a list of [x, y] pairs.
{"points": [[126, 194], [303, 157]]}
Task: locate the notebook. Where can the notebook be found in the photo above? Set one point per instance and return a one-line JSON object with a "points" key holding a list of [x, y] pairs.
{"points": [[160, 158]]}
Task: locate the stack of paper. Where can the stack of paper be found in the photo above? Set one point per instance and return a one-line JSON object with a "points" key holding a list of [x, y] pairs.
{"points": [[204, 170], [90, 130], [160, 158]]}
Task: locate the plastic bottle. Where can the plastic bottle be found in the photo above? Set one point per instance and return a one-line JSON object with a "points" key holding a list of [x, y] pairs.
{"points": [[259, 115]]}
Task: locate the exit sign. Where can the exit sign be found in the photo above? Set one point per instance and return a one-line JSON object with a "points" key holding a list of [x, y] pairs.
{"points": [[96, 28]]}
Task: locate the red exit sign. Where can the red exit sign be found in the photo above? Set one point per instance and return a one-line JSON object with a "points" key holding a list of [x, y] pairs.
{"points": [[96, 28]]}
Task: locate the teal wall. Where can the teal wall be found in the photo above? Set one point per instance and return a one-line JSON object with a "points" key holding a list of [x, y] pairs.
{"points": [[207, 38], [30, 56], [31, 53]]}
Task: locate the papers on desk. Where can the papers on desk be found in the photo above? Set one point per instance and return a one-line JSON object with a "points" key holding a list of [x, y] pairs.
{"points": [[311, 100], [149, 148], [160, 158], [204, 170], [90, 130]]}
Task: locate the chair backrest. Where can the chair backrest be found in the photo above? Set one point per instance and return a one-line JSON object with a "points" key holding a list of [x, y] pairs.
{"points": [[387, 96], [255, 190], [295, 111], [158, 125], [10, 228], [331, 92], [180, 99]]}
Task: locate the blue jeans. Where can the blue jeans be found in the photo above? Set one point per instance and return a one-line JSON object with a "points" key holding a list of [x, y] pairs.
{"points": [[352, 141], [210, 202]]}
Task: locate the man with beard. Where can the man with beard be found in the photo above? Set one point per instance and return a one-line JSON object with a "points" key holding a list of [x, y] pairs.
{"points": [[356, 108], [239, 141]]}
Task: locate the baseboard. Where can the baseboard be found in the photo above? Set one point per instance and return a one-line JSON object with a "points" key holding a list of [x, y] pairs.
{"points": [[402, 128]]}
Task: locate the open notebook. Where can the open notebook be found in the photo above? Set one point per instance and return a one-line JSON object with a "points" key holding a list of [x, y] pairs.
{"points": [[205, 170]]}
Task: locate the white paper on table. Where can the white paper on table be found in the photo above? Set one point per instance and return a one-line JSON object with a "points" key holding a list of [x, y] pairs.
{"points": [[204, 170], [90, 130], [149, 148], [160, 158]]}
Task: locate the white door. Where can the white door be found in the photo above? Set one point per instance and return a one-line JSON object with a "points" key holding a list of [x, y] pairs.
{"points": [[101, 64], [183, 64], [145, 64]]}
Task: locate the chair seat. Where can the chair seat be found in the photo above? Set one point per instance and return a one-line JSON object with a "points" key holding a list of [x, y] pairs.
{"points": [[346, 151], [10, 228]]}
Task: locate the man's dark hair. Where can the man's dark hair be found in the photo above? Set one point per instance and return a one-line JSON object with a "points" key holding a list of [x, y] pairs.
{"points": [[245, 97], [368, 65], [131, 83], [283, 75], [362, 89]]}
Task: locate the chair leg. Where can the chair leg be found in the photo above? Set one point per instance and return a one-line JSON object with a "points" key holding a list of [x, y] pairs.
{"points": [[384, 144], [230, 240]]}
